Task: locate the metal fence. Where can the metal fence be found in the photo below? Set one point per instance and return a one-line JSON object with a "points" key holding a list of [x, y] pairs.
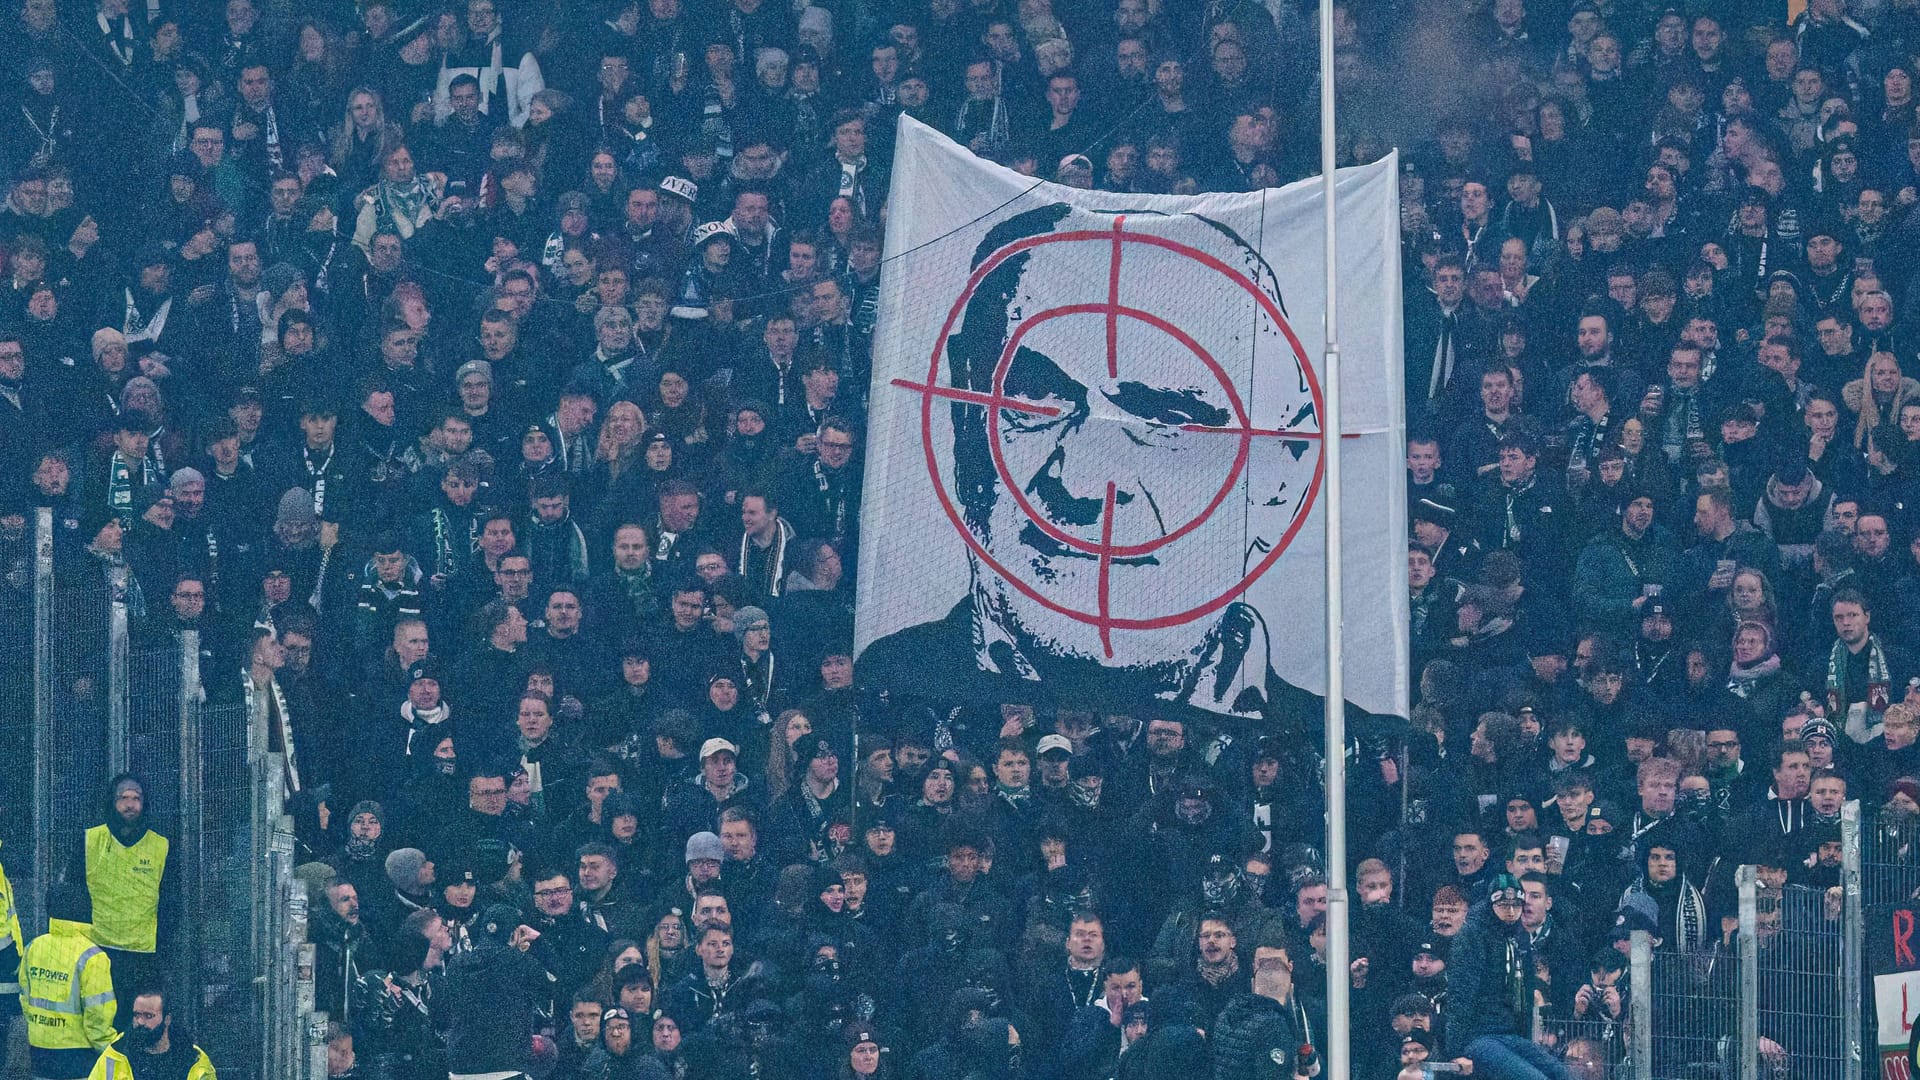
{"points": [[100, 687], [1801, 982], [1686, 1010]]}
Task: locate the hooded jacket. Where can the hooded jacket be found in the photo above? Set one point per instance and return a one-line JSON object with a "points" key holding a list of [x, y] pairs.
{"points": [[119, 861]]}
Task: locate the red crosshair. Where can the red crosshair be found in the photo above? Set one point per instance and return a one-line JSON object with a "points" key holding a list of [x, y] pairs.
{"points": [[1112, 311]]}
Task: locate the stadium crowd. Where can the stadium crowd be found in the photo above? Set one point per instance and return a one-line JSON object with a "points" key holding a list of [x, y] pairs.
{"points": [[484, 383]]}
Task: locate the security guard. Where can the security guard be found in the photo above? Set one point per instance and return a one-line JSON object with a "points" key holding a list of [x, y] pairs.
{"points": [[127, 868], [151, 1049], [66, 990]]}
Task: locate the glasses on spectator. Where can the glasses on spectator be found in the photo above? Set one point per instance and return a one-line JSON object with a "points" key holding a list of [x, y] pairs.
{"points": [[543, 894], [1723, 744]]}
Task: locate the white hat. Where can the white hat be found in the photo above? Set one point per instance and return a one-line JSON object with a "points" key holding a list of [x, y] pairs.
{"points": [[704, 233], [1053, 742], [714, 746]]}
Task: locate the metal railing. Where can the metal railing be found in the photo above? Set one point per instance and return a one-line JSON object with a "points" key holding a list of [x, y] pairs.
{"points": [[108, 692]]}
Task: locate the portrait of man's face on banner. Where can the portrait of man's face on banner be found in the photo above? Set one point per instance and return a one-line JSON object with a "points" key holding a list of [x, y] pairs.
{"points": [[1134, 440]]}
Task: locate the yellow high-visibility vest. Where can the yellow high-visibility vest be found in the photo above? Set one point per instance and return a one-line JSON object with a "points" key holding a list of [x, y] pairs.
{"points": [[113, 1065], [125, 885]]}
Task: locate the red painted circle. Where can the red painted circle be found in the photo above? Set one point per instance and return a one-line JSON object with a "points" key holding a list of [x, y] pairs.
{"points": [[1112, 239], [1020, 496]]}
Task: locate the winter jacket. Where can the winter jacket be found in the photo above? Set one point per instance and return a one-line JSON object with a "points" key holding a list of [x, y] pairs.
{"points": [[1257, 1038], [491, 994]]}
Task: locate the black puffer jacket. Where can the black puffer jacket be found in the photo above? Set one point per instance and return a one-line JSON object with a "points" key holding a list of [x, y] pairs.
{"points": [[492, 991], [1256, 1038]]}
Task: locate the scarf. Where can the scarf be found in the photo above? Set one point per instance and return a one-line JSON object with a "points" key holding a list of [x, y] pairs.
{"points": [[850, 188], [1220, 972], [444, 561], [573, 542], [48, 134], [1516, 977], [281, 721], [407, 205], [1840, 696], [638, 585], [139, 328], [766, 567], [1740, 679], [118, 36], [418, 720], [839, 504], [120, 491], [1513, 493]]}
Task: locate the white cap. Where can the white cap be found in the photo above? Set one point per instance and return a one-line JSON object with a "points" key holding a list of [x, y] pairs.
{"points": [[704, 233], [1053, 742], [714, 746]]}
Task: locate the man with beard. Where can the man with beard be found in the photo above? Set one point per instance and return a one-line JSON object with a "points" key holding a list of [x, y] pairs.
{"points": [[1491, 980], [152, 1046], [131, 879], [821, 494], [204, 544], [1620, 574], [747, 456]]}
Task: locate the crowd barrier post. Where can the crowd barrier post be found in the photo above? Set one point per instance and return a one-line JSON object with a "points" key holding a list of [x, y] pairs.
{"points": [[33, 911], [1640, 1004], [119, 691], [317, 1046], [278, 969], [1852, 930], [300, 1032], [1747, 880], [192, 808]]}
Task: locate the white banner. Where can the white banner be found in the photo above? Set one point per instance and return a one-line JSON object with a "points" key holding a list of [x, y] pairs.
{"points": [[1094, 469]]}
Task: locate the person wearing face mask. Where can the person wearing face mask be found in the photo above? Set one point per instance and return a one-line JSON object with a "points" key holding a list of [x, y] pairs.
{"points": [[1187, 837], [1378, 921], [1223, 894], [362, 858], [152, 1046]]}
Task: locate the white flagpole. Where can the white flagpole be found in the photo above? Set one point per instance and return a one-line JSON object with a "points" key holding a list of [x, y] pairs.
{"points": [[1337, 1054]]}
